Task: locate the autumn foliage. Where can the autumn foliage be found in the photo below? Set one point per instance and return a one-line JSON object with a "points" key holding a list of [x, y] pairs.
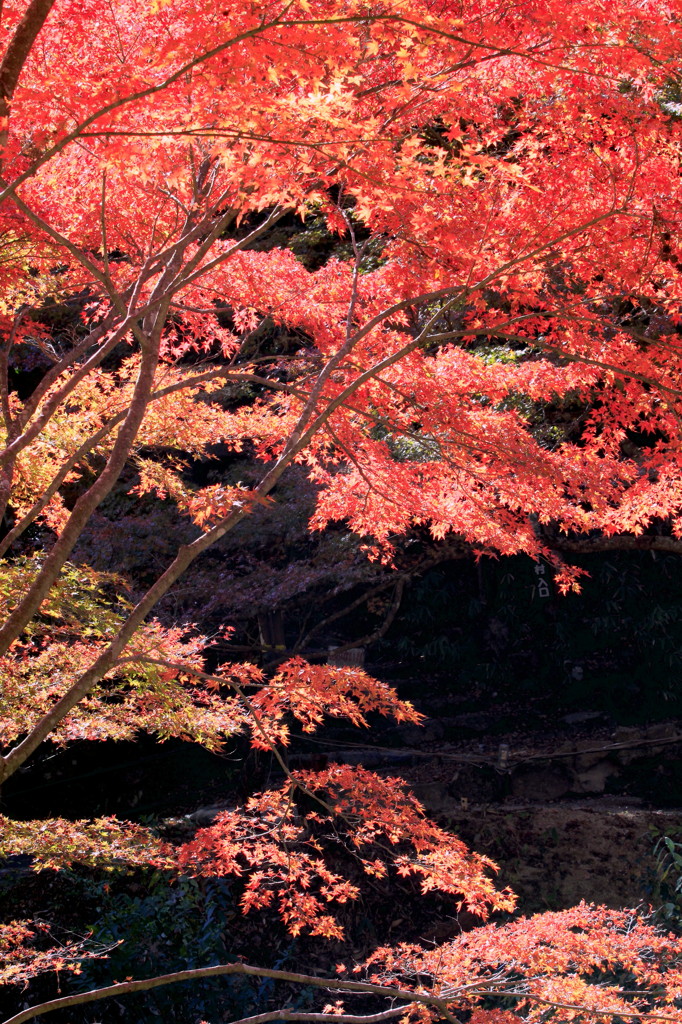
{"points": [[371, 817], [504, 183], [568, 959]]}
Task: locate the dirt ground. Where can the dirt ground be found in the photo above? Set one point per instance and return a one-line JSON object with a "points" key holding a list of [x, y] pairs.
{"points": [[555, 855]]}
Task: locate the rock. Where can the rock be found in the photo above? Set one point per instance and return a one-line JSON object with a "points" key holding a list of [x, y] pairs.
{"points": [[538, 783], [631, 736], [434, 796], [594, 780], [662, 731], [481, 784], [352, 657], [626, 734], [588, 753], [580, 717], [207, 815]]}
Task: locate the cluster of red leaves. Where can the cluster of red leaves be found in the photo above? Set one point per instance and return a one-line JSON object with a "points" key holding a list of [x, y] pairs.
{"points": [[532, 103], [27, 948], [279, 843], [205, 506], [588, 961], [309, 692]]}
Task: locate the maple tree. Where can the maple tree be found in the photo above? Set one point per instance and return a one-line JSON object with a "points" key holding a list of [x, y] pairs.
{"points": [[506, 181]]}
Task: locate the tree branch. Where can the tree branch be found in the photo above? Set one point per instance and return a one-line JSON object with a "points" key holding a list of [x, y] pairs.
{"points": [[15, 57], [225, 970], [87, 503]]}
